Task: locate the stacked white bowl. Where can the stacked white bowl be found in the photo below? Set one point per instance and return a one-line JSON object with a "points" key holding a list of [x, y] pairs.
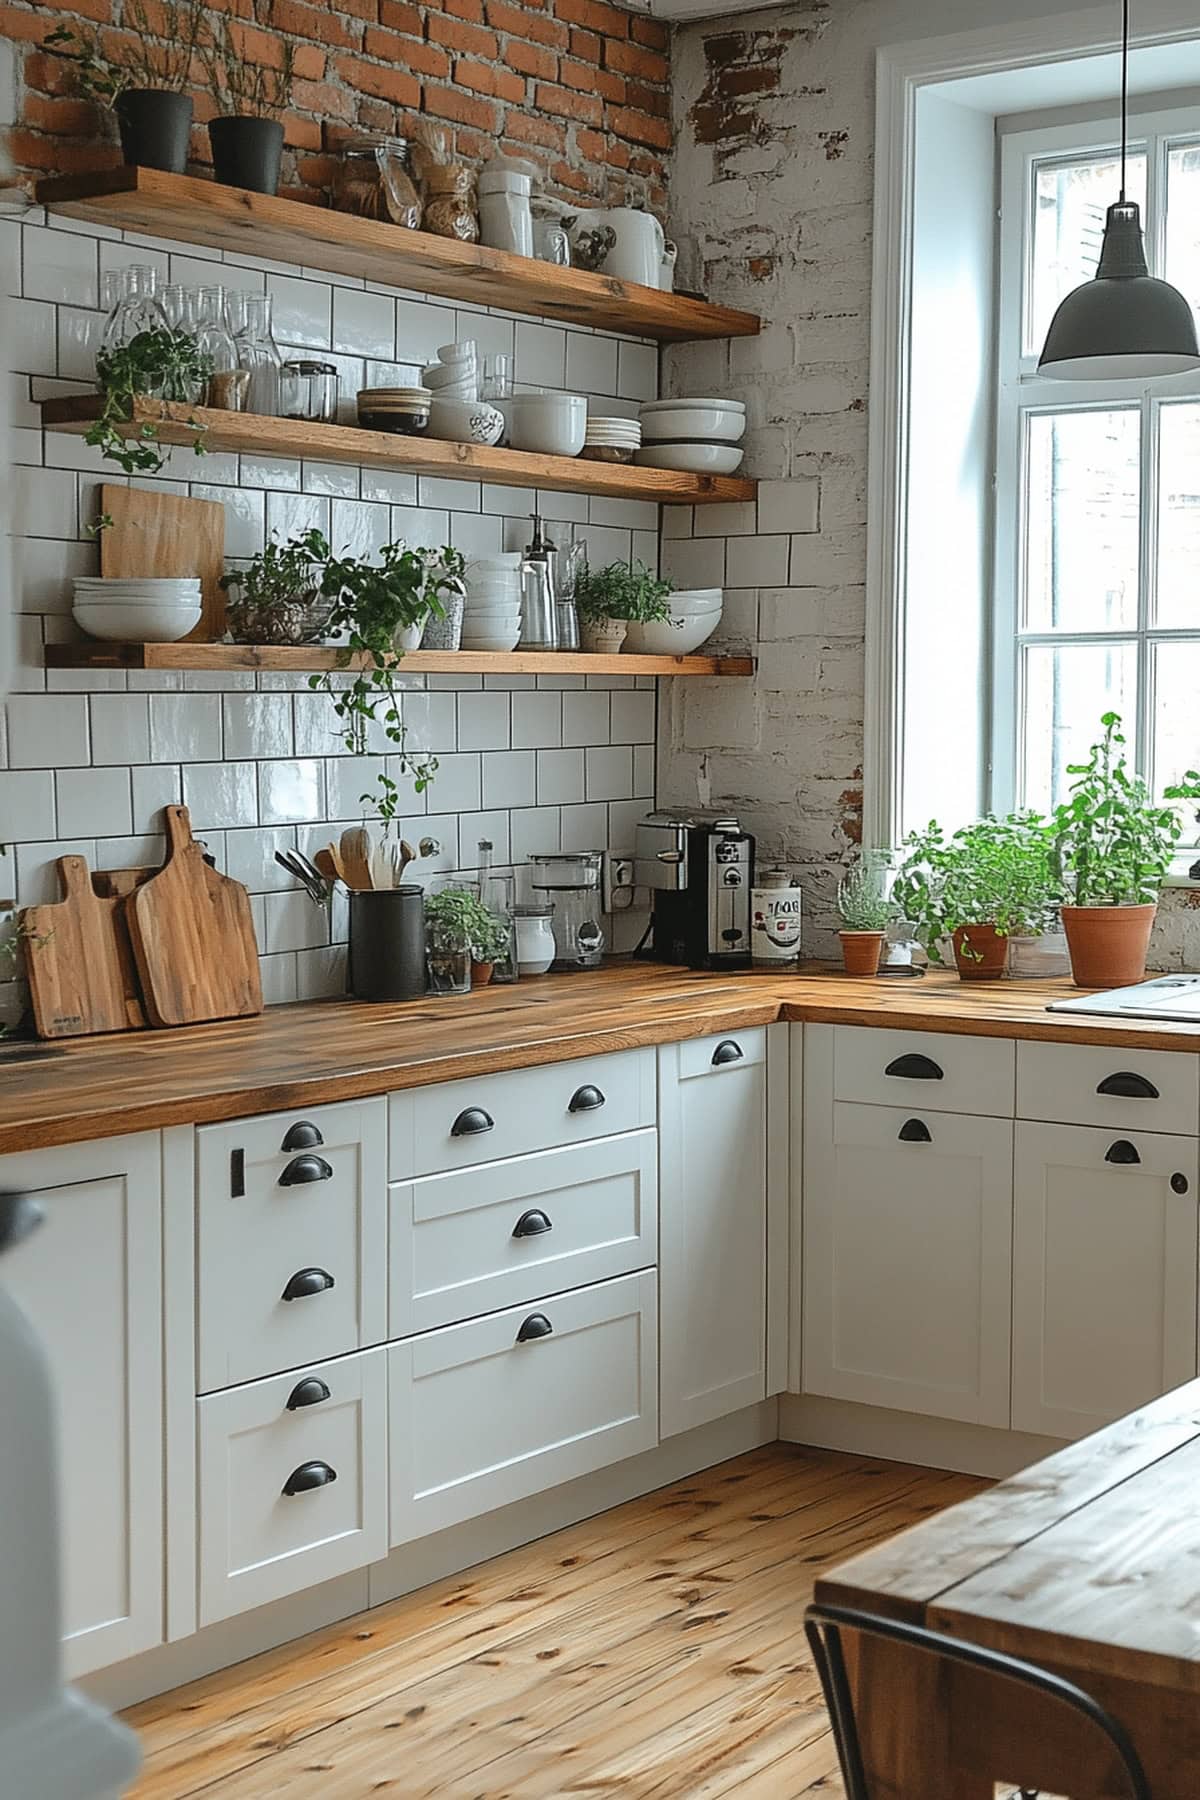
{"points": [[492, 615], [455, 374], [695, 615], [137, 609], [700, 437], [611, 439]]}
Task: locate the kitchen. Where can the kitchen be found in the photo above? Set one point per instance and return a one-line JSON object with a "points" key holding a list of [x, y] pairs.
{"points": [[843, 1251]]}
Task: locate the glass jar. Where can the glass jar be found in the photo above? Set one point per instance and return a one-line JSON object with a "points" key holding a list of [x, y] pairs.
{"points": [[497, 890], [322, 389], [135, 308], [451, 209], [374, 178], [295, 392], [574, 881], [258, 354], [535, 938], [227, 384]]}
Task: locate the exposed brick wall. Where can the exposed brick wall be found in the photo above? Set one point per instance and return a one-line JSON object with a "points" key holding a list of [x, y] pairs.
{"points": [[580, 86]]}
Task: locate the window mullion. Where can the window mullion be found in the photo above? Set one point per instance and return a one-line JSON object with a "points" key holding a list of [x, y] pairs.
{"points": [[1147, 580]]}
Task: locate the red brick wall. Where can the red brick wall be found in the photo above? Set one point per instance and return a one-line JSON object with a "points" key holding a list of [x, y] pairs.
{"points": [[579, 85]]}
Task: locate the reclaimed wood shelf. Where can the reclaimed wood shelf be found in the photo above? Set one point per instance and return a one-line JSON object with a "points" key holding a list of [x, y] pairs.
{"points": [[312, 658], [252, 435], [189, 210]]}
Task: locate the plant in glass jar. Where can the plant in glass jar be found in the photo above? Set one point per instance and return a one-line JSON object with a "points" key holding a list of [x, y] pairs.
{"points": [[865, 911], [247, 136], [143, 82], [986, 882], [278, 595], [460, 931], [151, 365], [609, 600]]}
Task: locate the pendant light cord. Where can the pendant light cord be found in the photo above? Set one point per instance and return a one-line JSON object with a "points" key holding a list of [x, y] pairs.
{"points": [[1124, 90]]}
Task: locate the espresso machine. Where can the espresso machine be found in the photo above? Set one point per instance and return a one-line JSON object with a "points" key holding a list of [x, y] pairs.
{"points": [[700, 870]]}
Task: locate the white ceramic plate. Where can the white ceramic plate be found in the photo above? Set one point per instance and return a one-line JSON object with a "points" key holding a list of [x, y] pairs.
{"points": [[653, 406], [692, 459]]}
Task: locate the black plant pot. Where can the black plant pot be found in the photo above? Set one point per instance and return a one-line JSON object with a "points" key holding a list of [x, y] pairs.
{"points": [[246, 153], [155, 127]]}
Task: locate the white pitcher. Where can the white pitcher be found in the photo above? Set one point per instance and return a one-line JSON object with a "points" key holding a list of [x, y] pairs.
{"points": [[618, 240]]}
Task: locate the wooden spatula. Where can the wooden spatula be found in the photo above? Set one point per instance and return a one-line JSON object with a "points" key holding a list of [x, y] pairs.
{"points": [[356, 856]]}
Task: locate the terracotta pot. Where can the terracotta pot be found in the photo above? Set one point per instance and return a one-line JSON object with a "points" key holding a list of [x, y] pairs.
{"points": [[603, 635], [980, 952], [1108, 944], [861, 951], [481, 974]]}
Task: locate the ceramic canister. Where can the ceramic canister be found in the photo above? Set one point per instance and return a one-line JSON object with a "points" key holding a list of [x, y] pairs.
{"points": [[775, 918]]}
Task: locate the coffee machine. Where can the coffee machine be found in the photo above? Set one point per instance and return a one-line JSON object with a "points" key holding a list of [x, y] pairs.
{"points": [[700, 870]]}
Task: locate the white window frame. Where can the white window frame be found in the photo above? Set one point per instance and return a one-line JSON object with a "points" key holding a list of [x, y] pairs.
{"points": [[1021, 394]]}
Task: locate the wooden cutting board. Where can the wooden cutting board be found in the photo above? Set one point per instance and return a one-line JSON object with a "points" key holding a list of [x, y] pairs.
{"points": [[82, 977], [164, 534], [193, 936]]}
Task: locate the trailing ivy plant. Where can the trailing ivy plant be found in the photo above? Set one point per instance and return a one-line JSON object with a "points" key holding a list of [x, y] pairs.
{"points": [[372, 604], [160, 364], [997, 871], [623, 591], [1114, 841]]}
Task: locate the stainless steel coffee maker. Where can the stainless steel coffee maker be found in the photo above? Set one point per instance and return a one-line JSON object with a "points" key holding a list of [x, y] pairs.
{"points": [[700, 870]]}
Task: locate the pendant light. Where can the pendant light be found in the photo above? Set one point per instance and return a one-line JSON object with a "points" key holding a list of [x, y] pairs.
{"points": [[1123, 322]]}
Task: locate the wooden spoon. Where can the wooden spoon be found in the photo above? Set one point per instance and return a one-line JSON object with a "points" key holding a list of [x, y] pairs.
{"points": [[327, 863], [356, 856]]}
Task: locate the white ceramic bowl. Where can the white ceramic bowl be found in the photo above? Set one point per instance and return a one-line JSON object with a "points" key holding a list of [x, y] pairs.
{"points": [[467, 351], [507, 640], [491, 618], [552, 424], [653, 406], [493, 593], [137, 624], [464, 421], [696, 424], [501, 559], [149, 590], [692, 459], [663, 638], [692, 609]]}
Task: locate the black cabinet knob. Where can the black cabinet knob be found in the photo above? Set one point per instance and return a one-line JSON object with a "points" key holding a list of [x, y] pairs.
{"points": [[727, 1051], [1179, 1184], [1122, 1152], [472, 1122], [1125, 1085], [914, 1131], [304, 1169], [915, 1067], [309, 1392], [533, 1223], [308, 1476], [537, 1325], [307, 1281], [585, 1099], [303, 1135]]}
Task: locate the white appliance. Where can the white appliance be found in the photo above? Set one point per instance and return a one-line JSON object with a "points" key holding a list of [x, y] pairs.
{"points": [[1166, 997]]}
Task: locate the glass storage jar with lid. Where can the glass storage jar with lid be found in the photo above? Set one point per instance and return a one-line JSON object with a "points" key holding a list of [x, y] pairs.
{"points": [[572, 881], [374, 178]]}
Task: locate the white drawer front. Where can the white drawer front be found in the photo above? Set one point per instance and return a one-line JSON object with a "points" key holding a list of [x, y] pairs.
{"points": [[259, 1541], [308, 1222], [479, 1419], [931, 1071], [725, 1050], [458, 1123], [476, 1239], [1085, 1084]]}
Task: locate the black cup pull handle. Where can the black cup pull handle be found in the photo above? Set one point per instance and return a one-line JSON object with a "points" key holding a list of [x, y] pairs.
{"points": [[533, 1223], [915, 1067], [914, 1131], [727, 1052], [303, 1135], [586, 1099], [304, 1169], [1125, 1085], [1179, 1184], [472, 1122], [308, 1476], [537, 1325], [1122, 1152], [309, 1392], [307, 1281]]}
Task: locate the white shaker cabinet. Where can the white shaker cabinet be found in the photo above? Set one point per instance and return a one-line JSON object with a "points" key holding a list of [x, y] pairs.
{"points": [[712, 1227], [90, 1280], [1104, 1294]]}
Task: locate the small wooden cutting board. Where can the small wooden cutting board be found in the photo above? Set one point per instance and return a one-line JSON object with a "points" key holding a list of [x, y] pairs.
{"points": [[167, 534], [79, 960], [193, 936]]}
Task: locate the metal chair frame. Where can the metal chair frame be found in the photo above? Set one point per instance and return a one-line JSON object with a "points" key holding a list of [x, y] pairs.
{"points": [[824, 1626]]}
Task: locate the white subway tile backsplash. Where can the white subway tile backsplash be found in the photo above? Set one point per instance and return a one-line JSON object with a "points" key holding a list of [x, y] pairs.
{"points": [[584, 827], [458, 784], [637, 371], [330, 478], [290, 790], [31, 327], [250, 857], [390, 485], [300, 311], [257, 725], [359, 528], [37, 874], [632, 715], [533, 831], [120, 728], [280, 472], [44, 502], [95, 801], [364, 324], [221, 794], [559, 777], [154, 786], [539, 355], [608, 772], [45, 734], [483, 721], [26, 805], [536, 720], [288, 515], [756, 561], [591, 365], [60, 266], [509, 778], [294, 922], [185, 728], [585, 718]]}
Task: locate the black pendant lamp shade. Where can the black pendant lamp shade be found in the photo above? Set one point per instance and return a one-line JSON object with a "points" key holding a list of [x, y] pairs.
{"points": [[1123, 323]]}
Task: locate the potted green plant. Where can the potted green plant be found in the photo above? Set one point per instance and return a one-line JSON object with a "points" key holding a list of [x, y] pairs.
{"points": [[609, 600], [247, 135], [865, 911], [461, 934], [144, 84], [978, 887], [159, 365], [1115, 844], [279, 599], [490, 943]]}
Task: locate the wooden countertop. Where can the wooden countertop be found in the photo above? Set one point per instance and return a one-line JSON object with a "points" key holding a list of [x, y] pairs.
{"points": [[341, 1049]]}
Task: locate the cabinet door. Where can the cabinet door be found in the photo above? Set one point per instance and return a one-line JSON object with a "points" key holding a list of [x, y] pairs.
{"points": [[89, 1279], [1104, 1274], [907, 1257], [712, 1228]]}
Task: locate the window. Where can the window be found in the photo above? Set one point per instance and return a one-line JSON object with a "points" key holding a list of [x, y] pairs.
{"points": [[1097, 523]]}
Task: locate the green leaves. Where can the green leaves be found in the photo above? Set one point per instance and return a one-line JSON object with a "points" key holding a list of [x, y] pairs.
{"points": [[862, 900], [997, 871], [623, 591], [1113, 839], [458, 920], [160, 364]]}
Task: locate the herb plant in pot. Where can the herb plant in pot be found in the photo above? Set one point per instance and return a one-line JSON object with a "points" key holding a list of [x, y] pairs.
{"points": [[609, 600], [865, 912], [461, 934], [978, 887], [278, 597], [247, 136], [1115, 843], [145, 85]]}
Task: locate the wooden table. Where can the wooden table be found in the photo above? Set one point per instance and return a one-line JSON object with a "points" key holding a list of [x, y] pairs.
{"points": [[1087, 1564]]}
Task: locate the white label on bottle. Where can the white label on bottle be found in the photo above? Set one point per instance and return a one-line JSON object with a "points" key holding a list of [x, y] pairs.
{"points": [[775, 924]]}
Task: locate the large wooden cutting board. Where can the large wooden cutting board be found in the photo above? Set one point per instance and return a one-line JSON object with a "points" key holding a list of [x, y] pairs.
{"points": [[167, 534], [79, 960], [193, 936]]}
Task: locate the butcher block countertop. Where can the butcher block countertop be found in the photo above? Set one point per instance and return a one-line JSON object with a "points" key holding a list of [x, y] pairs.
{"points": [[325, 1050]]}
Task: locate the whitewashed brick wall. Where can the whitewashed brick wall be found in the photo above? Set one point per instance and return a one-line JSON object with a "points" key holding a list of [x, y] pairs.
{"points": [[87, 760]]}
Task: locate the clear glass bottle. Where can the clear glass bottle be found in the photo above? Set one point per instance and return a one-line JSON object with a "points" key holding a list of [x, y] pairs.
{"points": [[181, 305], [135, 308], [227, 384], [258, 355]]}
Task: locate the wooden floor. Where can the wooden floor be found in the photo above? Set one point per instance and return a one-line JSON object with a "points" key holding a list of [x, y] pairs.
{"points": [[656, 1650]]}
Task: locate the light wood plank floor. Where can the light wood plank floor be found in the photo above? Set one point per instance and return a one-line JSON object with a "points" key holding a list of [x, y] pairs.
{"points": [[654, 1651]]}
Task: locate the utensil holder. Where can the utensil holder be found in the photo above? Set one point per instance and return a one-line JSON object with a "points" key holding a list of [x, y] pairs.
{"points": [[387, 943]]}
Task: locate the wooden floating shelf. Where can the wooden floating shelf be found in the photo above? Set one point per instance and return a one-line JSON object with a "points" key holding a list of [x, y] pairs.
{"points": [[299, 659], [252, 435], [189, 210]]}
